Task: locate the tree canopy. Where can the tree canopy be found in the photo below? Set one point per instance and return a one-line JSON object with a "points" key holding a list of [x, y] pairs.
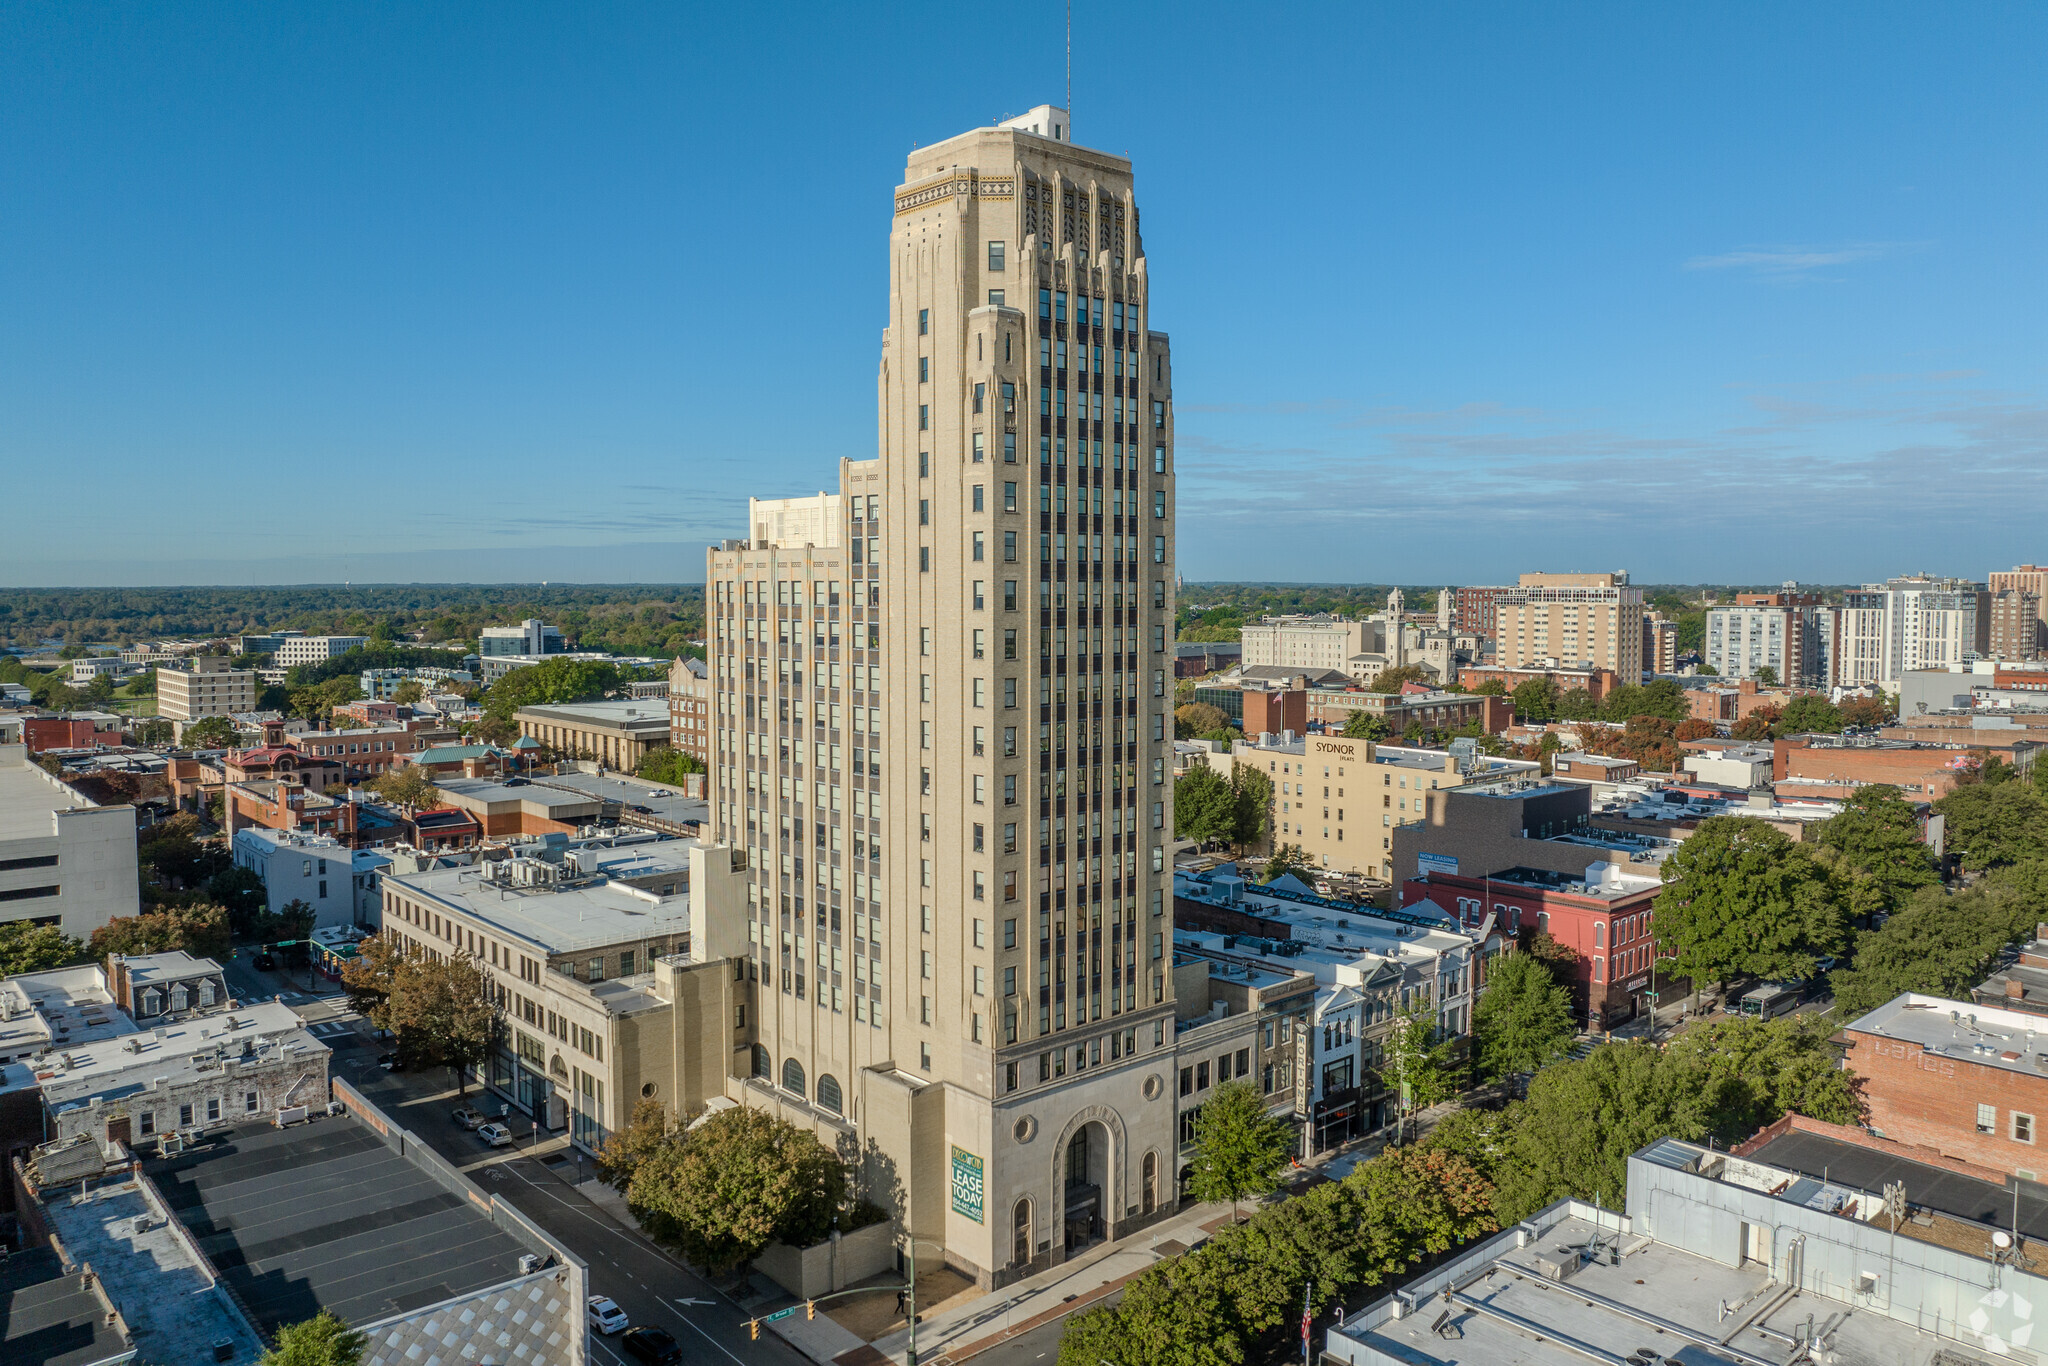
{"points": [[437, 1007], [1288, 858], [407, 785], [1204, 806], [1365, 725], [199, 930], [1741, 898], [1875, 849], [322, 1340], [1934, 943], [739, 1180], [1197, 718], [1989, 824], [1523, 1018], [665, 765], [1240, 1150], [212, 732], [551, 681], [28, 947], [1810, 712]]}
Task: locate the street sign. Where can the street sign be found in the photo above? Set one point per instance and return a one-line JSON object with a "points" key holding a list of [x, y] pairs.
{"points": [[780, 1313]]}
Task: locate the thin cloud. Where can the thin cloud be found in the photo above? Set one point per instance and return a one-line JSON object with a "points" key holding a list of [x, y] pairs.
{"points": [[1787, 263]]}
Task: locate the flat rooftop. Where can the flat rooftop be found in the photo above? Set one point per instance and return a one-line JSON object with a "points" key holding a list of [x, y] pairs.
{"points": [[1931, 1188], [47, 1318], [555, 918], [1658, 1304], [62, 1007], [675, 808], [627, 712], [27, 798], [170, 1303], [1962, 1030], [570, 804], [326, 1216], [212, 1044]]}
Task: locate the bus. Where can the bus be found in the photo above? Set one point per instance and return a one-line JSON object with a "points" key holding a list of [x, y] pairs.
{"points": [[1771, 999]]}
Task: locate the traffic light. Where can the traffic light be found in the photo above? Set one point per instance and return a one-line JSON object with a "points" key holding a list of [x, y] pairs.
{"points": [[754, 1329], [810, 1309]]}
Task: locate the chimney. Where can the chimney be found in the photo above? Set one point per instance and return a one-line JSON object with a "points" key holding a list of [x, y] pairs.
{"points": [[2013, 990]]}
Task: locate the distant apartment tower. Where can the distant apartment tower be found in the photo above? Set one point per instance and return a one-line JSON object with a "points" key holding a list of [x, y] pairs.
{"points": [[1310, 641], [2026, 578], [530, 637], [940, 727], [1779, 631], [1660, 644], [207, 688], [689, 709], [1478, 611], [1572, 619], [2016, 631]]}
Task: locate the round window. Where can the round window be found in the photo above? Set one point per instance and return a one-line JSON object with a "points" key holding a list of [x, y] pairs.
{"points": [[1025, 1129], [648, 1090], [1153, 1086]]}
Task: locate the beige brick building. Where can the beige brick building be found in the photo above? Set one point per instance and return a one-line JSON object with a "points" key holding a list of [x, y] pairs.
{"points": [[1572, 619], [940, 728], [207, 688]]}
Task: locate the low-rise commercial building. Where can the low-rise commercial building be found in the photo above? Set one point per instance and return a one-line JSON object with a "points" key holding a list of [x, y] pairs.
{"points": [[64, 859], [615, 734], [1597, 683], [1955, 1077], [1738, 765], [1718, 1259], [1238, 1020], [516, 806], [276, 804], [370, 752], [339, 883], [294, 650], [590, 959]]}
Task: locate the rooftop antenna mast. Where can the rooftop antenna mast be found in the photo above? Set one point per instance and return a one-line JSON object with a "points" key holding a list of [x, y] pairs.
{"points": [[1070, 70]]}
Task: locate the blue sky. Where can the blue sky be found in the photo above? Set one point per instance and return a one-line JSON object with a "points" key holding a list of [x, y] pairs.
{"points": [[294, 293]]}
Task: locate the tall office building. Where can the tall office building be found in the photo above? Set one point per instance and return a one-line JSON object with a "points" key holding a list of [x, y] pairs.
{"points": [[940, 710]]}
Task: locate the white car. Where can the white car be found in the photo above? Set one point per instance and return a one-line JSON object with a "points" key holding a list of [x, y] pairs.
{"points": [[661, 792], [497, 1135], [605, 1316]]}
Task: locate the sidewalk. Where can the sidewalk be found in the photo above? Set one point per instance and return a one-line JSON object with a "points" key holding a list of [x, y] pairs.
{"points": [[1072, 1286]]}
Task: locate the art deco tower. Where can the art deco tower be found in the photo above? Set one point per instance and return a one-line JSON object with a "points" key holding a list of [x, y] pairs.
{"points": [[943, 704]]}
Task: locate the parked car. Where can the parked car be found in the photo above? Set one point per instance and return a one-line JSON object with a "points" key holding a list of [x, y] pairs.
{"points": [[639, 810], [605, 1316], [266, 961], [497, 1135], [652, 1345], [661, 792], [391, 1062], [468, 1116]]}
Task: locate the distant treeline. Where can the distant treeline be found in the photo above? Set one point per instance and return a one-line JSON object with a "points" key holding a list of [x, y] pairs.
{"points": [[647, 619]]}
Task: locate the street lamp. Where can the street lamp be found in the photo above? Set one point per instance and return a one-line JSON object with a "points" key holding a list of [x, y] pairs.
{"points": [[910, 1246]]}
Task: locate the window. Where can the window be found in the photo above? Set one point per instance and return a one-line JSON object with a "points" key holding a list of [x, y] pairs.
{"points": [[1010, 557], [763, 1067], [924, 470], [924, 369], [995, 255], [980, 394], [250, 1101], [147, 1120], [793, 1077], [924, 322], [828, 1093], [184, 1116], [980, 544], [2022, 1128], [976, 497], [924, 417], [1009, 496]]}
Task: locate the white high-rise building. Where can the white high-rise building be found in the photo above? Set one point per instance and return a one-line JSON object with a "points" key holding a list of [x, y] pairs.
{"points": [[941, 727], [1884, 631]]}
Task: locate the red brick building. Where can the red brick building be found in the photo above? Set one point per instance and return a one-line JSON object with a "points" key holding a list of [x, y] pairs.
{"points": [[1968, 1081], [1597, 682], [58, 732], [1272, 712], [1602, 915]]}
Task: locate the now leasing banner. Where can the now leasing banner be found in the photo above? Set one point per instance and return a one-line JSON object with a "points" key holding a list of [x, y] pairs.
{"points": [[968, 1184]]}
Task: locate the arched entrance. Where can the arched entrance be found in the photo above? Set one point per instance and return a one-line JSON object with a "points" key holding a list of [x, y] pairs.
{"points": [[1087, 1179]]}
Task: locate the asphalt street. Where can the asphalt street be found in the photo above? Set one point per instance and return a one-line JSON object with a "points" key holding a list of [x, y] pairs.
{"points": [[651, 1286]]}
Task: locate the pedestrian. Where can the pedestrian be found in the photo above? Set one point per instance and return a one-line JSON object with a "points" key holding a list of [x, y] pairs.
{"points": [[902, 1302]]}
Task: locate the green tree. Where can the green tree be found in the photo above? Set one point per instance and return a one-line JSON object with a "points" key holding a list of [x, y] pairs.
{"points": [[1197, 718], [370, 977], [1577, 704], [142, 685], [1240, 1150], [1391, 680], [738, 1181], [1557, 959], [1419, 1065], [407, 786], [1865, 711], [622, 1153], [1204, 807], [1749, 1072], [441, 1014], [1766, 676], [409, 692], [1288, 858], [553, 681], [212, 732], [1990, 824], [664, 765], [153, 731], [1810, 713], [322, 1340], [1254, 806], [201, 931], [1741, 898], [1523, 1018], [1492, 687], [289, 923], [27, 947], [1417, 1202], [1573, 1135], [1875, 849], [242, 891], [1934, 943], [1364, 725], [1535, 700]]}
